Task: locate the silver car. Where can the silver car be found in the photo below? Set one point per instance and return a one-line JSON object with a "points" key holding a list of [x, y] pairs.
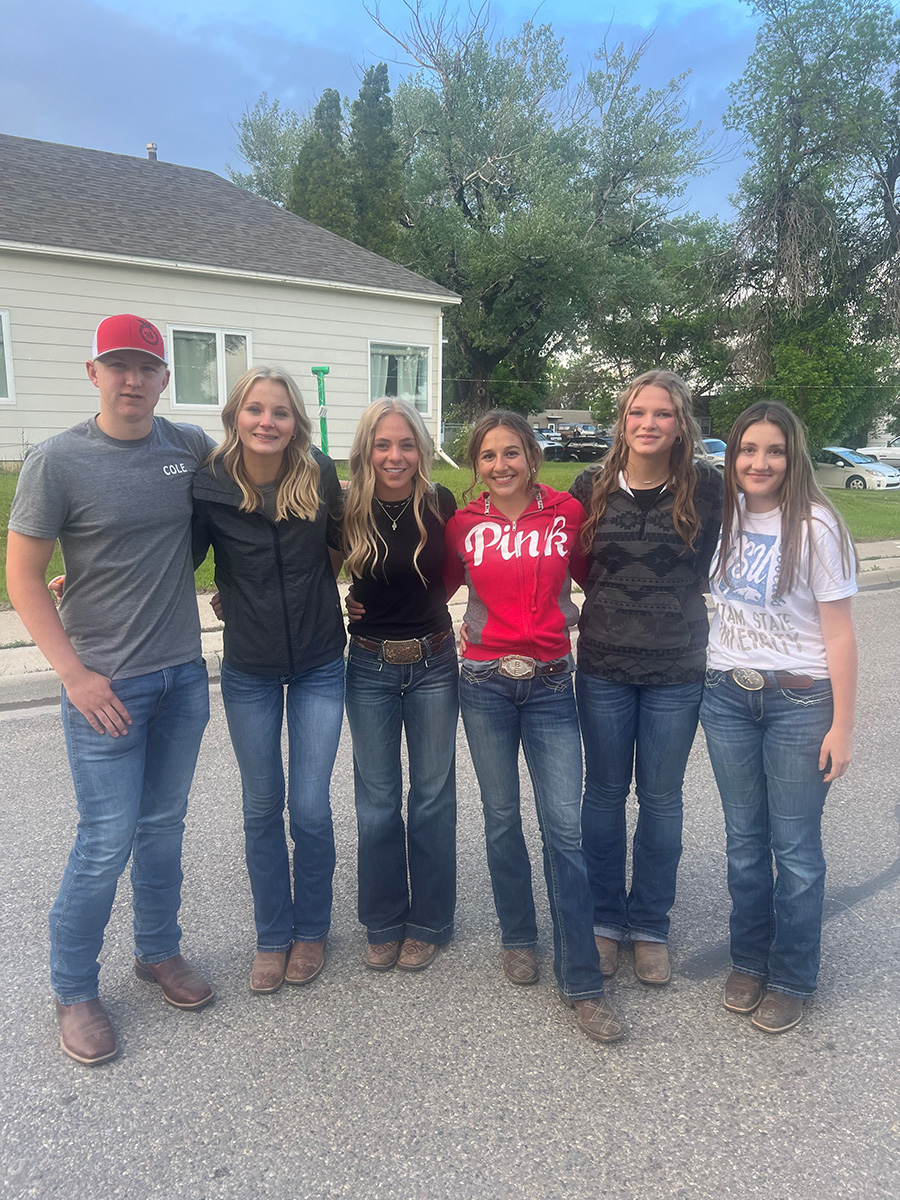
{"points": [[836, 466], [889, 454]]}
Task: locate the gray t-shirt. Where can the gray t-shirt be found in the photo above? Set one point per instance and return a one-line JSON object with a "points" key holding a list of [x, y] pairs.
{"points": [[122, 513]]}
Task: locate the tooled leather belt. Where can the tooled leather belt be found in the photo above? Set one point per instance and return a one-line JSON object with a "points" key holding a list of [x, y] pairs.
{"points": [[412, 650]]}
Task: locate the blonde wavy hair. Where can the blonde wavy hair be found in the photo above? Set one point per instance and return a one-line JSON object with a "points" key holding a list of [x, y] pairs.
{"points": [[361, 536], [682, 473], [799, 492], [298, 485]]}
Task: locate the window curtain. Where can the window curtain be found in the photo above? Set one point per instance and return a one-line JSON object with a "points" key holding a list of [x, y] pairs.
{"points": [[379, 369], [195, 369], [4, 381]]}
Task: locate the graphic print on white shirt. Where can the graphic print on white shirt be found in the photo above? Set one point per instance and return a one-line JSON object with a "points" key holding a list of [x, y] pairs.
{"points": [[752, 568]]}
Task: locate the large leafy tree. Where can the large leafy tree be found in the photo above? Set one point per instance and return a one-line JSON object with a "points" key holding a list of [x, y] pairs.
{"points": [[820, 209], [524, 187], [269, 139], [669, 303]]}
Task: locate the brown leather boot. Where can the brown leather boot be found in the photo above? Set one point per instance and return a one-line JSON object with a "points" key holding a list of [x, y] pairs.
{"points": [[267, 973], [651, 963], [416, 955], [306, 962], [181, 985], [742, 992], [381, 956], [520, 965], [608, 951], [85, 1032]]}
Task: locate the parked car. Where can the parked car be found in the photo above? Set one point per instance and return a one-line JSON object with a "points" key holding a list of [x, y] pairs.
{"points": [[585, 448], [552, 450], [570, 429], [889, 454], [711, 450], [550, 434], [836, 466]]}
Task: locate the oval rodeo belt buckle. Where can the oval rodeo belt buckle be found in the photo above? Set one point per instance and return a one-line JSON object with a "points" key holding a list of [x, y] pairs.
{"points": [[516, 666], [748, 679]]}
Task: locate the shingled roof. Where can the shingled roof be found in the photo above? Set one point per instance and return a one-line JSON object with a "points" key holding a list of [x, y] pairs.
{"points": [[87, 200]]}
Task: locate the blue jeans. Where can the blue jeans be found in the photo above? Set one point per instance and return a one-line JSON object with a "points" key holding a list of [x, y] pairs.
{"points": [[500, 714], [407, 873], [764, 748], [254, 708], [647, 728], [132, 794]]}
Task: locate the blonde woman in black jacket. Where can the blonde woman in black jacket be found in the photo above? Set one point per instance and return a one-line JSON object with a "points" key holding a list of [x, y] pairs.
{"points": [[269, 504]]}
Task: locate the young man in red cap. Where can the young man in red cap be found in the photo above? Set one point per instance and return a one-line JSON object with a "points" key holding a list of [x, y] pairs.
{"points": [[125, 642]]}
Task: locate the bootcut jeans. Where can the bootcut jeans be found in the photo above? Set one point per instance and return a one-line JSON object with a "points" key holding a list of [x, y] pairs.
{"points": [[255, 707], [764, 748], [406, 871], [499, 715], [646, 730]]}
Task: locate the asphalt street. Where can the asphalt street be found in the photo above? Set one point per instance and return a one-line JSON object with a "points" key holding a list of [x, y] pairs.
{"points": [[452, 1084]]}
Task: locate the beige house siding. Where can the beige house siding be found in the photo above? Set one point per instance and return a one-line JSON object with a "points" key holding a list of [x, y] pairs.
{"points": [[55, 301]]}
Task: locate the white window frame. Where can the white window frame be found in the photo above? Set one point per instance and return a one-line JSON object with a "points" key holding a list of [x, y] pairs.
{"points": [[7, 358], [221, 332], [400, 346]]}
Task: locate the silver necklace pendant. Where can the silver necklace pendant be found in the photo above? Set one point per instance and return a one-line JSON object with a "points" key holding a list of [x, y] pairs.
{"points": [[393, 520]]}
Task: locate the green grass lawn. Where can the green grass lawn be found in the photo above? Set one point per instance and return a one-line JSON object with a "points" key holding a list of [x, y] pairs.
{"points": [[871, 517]]}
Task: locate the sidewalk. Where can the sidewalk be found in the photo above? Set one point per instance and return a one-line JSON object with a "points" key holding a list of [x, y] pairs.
{"points": [[26, 677]]}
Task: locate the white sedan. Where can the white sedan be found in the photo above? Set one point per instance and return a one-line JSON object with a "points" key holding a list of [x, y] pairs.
{"points": [[889, 454], [836, 466]]}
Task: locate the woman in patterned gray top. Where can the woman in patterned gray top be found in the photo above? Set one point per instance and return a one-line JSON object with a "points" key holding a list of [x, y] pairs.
{"points": [[652, 524]]}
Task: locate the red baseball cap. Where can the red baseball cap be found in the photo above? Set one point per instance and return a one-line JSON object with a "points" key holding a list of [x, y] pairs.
{"points": [[127, 332]]}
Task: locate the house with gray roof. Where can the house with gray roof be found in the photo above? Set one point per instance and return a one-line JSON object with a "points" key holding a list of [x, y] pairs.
{"points": [[230, 279]]}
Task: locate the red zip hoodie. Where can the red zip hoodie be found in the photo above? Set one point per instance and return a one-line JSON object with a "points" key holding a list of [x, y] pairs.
{"points": [[519, 575]]}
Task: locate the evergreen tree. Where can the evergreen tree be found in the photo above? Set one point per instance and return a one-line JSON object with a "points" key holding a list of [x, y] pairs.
{"points": [[320, 187], [374, 163]]}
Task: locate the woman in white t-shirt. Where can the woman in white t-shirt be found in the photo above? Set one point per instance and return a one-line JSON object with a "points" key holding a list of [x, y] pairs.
{"points": [[778, 706]]}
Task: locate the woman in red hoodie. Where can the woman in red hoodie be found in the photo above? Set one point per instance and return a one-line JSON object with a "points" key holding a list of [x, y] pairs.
{"points": [[513, 547]]}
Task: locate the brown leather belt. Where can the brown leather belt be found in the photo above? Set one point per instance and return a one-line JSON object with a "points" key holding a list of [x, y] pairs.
{"points": [[413, 650], [754, 681]]}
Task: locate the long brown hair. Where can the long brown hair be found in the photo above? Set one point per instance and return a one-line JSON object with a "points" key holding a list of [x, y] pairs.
{"points": [[361, 536], [298, 484], [682, 473], [509, 420], [799, 492]]}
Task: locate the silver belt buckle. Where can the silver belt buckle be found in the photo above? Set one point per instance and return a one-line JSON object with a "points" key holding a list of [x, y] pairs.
{"points": [[748, 679], [516, 666]]}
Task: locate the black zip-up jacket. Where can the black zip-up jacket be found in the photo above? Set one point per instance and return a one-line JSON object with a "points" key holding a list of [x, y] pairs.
{"points": [[279, 597], [644, 617]]}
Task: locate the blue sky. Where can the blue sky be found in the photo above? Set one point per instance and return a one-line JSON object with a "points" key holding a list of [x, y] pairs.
{"points": [[116, 75]]}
